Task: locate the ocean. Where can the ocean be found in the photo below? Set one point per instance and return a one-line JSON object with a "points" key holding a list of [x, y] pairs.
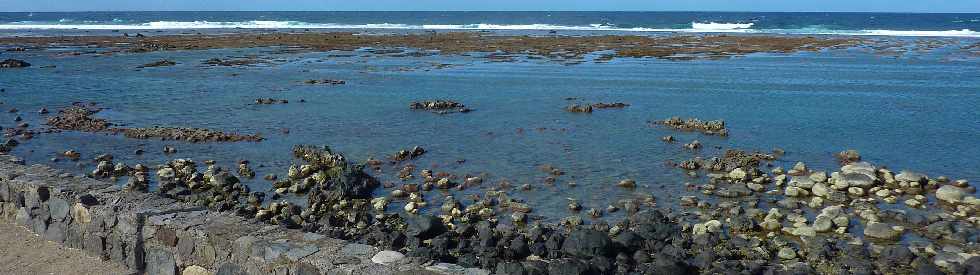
{"points": [[880, 24]]}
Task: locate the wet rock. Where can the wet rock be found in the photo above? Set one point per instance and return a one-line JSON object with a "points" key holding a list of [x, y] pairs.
{"points": [[424, 226], [439, 106], [161, 63], [849, 156], [693, 145], [830, 217], [627, 183], [574, 205], [712, 226], [324, 81], [72, 154], [950, 194], [14, 63], [928, 269], [614, 105], [195, 135], [79, 118], [575, 108], [883, 231], [793, 191], [414, 153], [909, 176], [787, 253], [231, 62], [798, 169], [972, 265], [712, 127], [587, 243], [270, 101], [245, 171]]}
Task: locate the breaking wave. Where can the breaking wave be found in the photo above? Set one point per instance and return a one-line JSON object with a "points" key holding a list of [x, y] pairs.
{"points": [[694, 27]]}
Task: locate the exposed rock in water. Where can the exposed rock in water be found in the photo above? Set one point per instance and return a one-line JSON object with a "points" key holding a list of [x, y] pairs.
{"points": [[439, 106], [231, 62], [587, 108], [614, 105], [849, 156], [883, 231], [325, 82], [731, 160], [8, 145], [267, 101], [79, 118], [575, 108], [712, 127], [186, 134], [161, 63], [950, 194], [403, 155], [14, 63]]}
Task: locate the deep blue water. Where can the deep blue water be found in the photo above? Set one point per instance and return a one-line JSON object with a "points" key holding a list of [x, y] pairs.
{"points": [[898, 24]]}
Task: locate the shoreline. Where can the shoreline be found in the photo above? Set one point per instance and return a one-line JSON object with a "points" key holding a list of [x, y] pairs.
{"points": [[647, 240]]}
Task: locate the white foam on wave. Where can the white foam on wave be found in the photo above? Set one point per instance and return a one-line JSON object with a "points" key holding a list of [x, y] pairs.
{"points": [[712, 26], [176, 25], [696, 27], [950, 33]]}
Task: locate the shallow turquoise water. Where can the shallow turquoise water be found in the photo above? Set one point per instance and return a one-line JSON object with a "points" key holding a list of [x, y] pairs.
{"points": [[917, 112]]}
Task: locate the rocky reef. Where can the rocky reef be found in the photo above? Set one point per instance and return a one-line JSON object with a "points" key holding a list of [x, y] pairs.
{"points": [[676, 47], [270, 101], [325, 82], [587, 108], [576, 108], [439, 106], [711, 127], [14, 63], [161, 63], [80, 117], [186, 134], [232, 62]]}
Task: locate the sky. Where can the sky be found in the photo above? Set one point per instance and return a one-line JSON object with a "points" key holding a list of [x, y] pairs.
{"points": [[972, 6]]}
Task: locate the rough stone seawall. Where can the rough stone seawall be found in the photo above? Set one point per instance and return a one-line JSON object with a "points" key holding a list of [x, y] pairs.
{"points": [[156, 235]]}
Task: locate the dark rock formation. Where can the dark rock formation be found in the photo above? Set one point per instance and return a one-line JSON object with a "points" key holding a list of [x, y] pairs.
{"points": [[14, 63]]}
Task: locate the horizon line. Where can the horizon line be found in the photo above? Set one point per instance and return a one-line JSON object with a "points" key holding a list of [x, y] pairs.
{"points": [[679, 11]]}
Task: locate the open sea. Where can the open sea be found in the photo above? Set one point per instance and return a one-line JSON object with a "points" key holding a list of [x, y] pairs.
{"points": [[914, 108], [886, 24]]}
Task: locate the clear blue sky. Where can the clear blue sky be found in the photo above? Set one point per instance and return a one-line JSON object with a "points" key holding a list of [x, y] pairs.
{"points": [[536, 5]]}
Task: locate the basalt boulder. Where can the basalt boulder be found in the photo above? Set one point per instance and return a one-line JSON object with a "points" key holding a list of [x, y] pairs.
{"points": [[588, 243]]}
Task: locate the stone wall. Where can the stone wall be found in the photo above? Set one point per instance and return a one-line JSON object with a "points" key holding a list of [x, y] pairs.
{"points": [[156, 235]]}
